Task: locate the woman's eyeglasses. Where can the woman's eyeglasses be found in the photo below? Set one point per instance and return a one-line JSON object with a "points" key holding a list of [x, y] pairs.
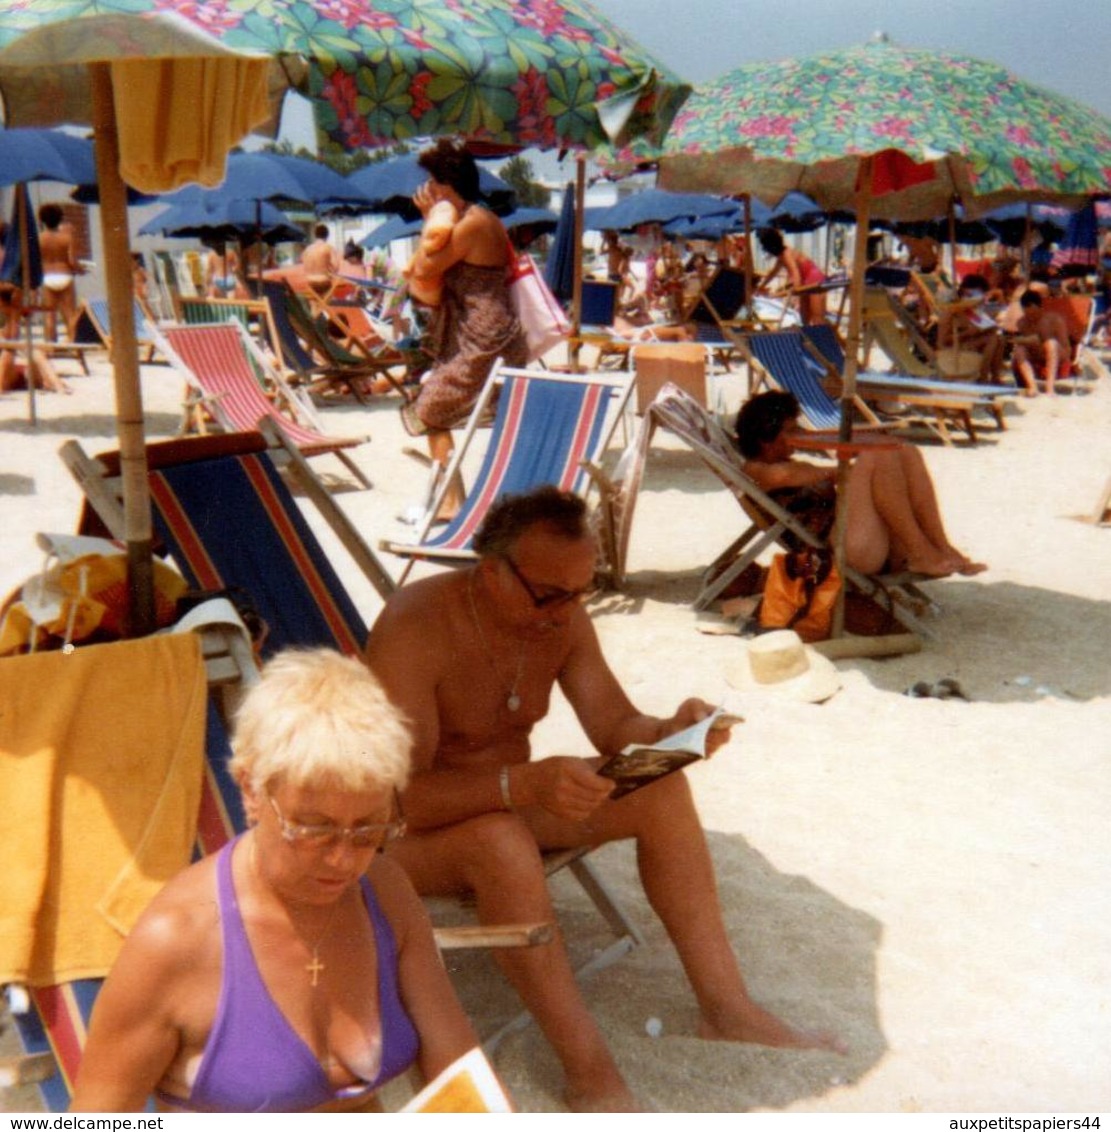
{"points": [[326, 835]]}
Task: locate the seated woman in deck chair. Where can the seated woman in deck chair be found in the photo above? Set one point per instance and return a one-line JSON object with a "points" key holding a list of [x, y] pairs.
{"points": [[295, 970], [894, 522]]}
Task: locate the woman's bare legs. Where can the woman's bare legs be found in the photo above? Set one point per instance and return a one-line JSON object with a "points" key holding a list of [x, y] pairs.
{"points": [[441, 447], [894, 515]]}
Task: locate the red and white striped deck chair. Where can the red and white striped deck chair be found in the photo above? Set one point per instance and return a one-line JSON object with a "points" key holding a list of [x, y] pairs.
{"points": [[232, 375]]}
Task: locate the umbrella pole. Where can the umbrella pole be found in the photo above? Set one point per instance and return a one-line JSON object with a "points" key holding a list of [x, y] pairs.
{"points": [[746, 200], [25, 298], [848, 390], [577, 261], [125, 356]]}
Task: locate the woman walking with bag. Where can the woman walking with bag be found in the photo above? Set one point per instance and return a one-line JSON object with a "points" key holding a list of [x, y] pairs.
{"points": [[475, 323]]}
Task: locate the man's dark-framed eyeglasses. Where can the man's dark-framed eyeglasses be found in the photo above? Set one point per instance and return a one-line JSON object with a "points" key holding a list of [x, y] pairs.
{"points": [[551, 599]]}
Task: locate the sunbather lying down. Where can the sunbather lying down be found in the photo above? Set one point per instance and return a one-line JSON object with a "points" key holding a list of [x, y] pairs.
{"points": [[894, 521]]}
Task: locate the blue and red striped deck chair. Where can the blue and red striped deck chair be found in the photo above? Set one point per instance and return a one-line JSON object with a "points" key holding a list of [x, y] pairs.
{"points": [[784, 357], [220, 361], [224, 514], [549, 427], [825, 345]]}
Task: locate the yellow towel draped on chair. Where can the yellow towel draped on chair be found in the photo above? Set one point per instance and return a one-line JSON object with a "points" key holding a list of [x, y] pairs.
{"points": [[177, 118], [101, 754]]}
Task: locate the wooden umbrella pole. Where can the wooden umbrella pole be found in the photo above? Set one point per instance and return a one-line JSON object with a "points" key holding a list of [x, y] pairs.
{"points": [[577, 278], [848, 391], [125, 356], [25, 297]]}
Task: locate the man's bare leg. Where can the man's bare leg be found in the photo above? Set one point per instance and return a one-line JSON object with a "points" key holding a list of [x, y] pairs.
{"points": [[1052, 365], [1024, 371], [497, 858], [678, 877]]}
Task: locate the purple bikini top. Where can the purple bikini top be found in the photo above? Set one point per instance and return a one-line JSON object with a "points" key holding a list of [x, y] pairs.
{"points": [[254, 1061]]}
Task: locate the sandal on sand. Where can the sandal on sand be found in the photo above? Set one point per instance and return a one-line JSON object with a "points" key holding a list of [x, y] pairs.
{"points": [[946, 689]]}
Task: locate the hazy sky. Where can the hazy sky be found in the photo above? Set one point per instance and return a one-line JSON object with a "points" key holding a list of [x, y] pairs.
{"points": [[1061, 44]]}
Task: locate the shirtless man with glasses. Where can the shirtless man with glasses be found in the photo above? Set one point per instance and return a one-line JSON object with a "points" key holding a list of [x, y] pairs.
{"points": [[471, 657]]}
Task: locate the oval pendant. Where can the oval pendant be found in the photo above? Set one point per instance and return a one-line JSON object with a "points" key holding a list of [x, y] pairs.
{"points": [[514, 701]]}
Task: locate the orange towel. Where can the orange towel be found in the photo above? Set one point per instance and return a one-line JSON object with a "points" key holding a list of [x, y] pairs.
{"points": [[101, 756]]}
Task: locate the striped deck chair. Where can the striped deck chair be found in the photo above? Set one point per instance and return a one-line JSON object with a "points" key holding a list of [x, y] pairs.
{"points": [[225, 515], [548, 428], [825, 341], [223, 366], [297, 344], [770, 525], [350, 366], [95, 320], [783, 357]]}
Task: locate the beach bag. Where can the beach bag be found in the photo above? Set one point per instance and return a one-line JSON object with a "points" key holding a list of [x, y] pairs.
{"points": [[80, 595], [540, 315], [799, 593]]}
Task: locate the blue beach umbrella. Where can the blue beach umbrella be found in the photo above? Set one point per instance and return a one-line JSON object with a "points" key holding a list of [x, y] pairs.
{"points": [[542, 219], [559, 271], [20, 271], [1077, 253], [388, 186], [396, 228], [658, 206], [211, 214]]}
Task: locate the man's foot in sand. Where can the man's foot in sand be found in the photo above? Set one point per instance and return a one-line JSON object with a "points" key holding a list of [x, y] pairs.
{"points": [[603, 1090], [620, 1101], [760, 1027]]}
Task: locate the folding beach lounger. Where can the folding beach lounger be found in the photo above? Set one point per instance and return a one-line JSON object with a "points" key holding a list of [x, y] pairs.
{"points": [[785, 359], [549, 427], [826, 347], [347, 362], [769, 524], [227, 370], [94, 324]]}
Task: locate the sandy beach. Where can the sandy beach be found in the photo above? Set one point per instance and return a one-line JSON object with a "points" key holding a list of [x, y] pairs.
{"points": [[926, 878]]}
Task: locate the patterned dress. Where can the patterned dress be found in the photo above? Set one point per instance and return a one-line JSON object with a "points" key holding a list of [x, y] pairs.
{"points": [[474, 325]]}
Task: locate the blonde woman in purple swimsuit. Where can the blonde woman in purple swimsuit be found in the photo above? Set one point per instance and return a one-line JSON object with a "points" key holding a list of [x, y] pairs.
{"points": [[295, 970]]}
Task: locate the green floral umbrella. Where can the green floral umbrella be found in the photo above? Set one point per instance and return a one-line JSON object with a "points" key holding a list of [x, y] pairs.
{"points": [[509, 72], [171, 85], [988, 137]]}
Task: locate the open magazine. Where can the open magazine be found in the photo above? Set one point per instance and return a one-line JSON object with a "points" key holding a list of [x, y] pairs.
{"points": [[638, 765], [468, 1084]]}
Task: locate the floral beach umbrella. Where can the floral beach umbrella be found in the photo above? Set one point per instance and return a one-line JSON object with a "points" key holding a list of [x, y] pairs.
{"points": [[171, 85], [987, 137]]}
